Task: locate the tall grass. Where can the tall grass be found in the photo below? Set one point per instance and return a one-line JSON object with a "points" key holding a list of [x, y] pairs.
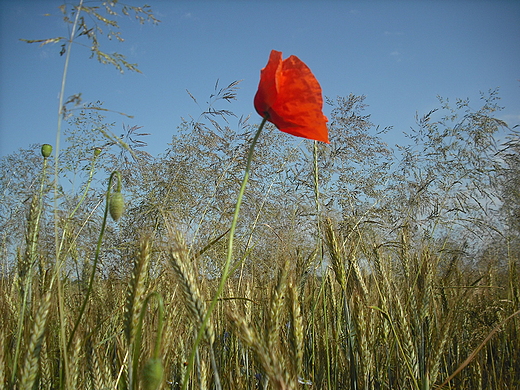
{"points": [[378, 316]]}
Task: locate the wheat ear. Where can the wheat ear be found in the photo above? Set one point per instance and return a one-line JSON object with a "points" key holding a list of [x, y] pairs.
{"points": [[30, 369], [275, 310], [185, 274], [2, 356], [135, 293], [137, 289], [179, 260], [296, 334]]}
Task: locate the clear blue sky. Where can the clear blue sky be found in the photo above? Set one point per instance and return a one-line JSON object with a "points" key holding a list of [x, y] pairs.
{"points": [[400, 54]]}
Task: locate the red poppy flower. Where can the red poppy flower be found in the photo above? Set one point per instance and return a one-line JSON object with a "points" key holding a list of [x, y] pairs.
{"points": [[290, 97]]}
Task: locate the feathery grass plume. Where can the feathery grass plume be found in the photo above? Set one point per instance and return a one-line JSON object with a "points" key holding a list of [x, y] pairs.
{"points": [[31, 366]]}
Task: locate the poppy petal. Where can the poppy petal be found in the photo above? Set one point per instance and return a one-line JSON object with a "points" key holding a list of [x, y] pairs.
{"points": [[267, 90], [290, 96]]}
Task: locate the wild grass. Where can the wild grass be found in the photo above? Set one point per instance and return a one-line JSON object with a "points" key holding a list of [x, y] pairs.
{"points": [[376, 316]]}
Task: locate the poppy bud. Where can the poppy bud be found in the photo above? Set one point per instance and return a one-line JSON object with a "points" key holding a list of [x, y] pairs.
{"points": [[153, 372], [116, 205], [46, 150]]}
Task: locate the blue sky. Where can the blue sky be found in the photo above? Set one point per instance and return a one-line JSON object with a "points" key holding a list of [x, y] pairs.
{"points": [[400, 54]]}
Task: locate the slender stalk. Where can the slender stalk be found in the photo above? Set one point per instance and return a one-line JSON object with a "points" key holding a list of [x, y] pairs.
{"points": [[318, 244], [316, 187], [138, 337], [227, 265], [56, 216]]}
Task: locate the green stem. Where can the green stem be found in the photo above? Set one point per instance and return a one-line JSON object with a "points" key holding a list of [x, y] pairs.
{"points": [[60, 119], [227, 265], [56, 216]]}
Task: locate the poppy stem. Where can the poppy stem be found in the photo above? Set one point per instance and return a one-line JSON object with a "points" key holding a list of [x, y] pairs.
{"points": [[229, 258]]}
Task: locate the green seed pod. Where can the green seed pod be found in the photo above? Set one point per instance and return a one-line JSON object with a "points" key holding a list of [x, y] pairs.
{"points": [[116, 205], [97, 151], [153, 372], [46, 150]]}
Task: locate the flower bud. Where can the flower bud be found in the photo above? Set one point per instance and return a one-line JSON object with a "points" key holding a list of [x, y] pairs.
{"points": [[46, 150], [116, 205], [97, 151], [153, 372]]}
